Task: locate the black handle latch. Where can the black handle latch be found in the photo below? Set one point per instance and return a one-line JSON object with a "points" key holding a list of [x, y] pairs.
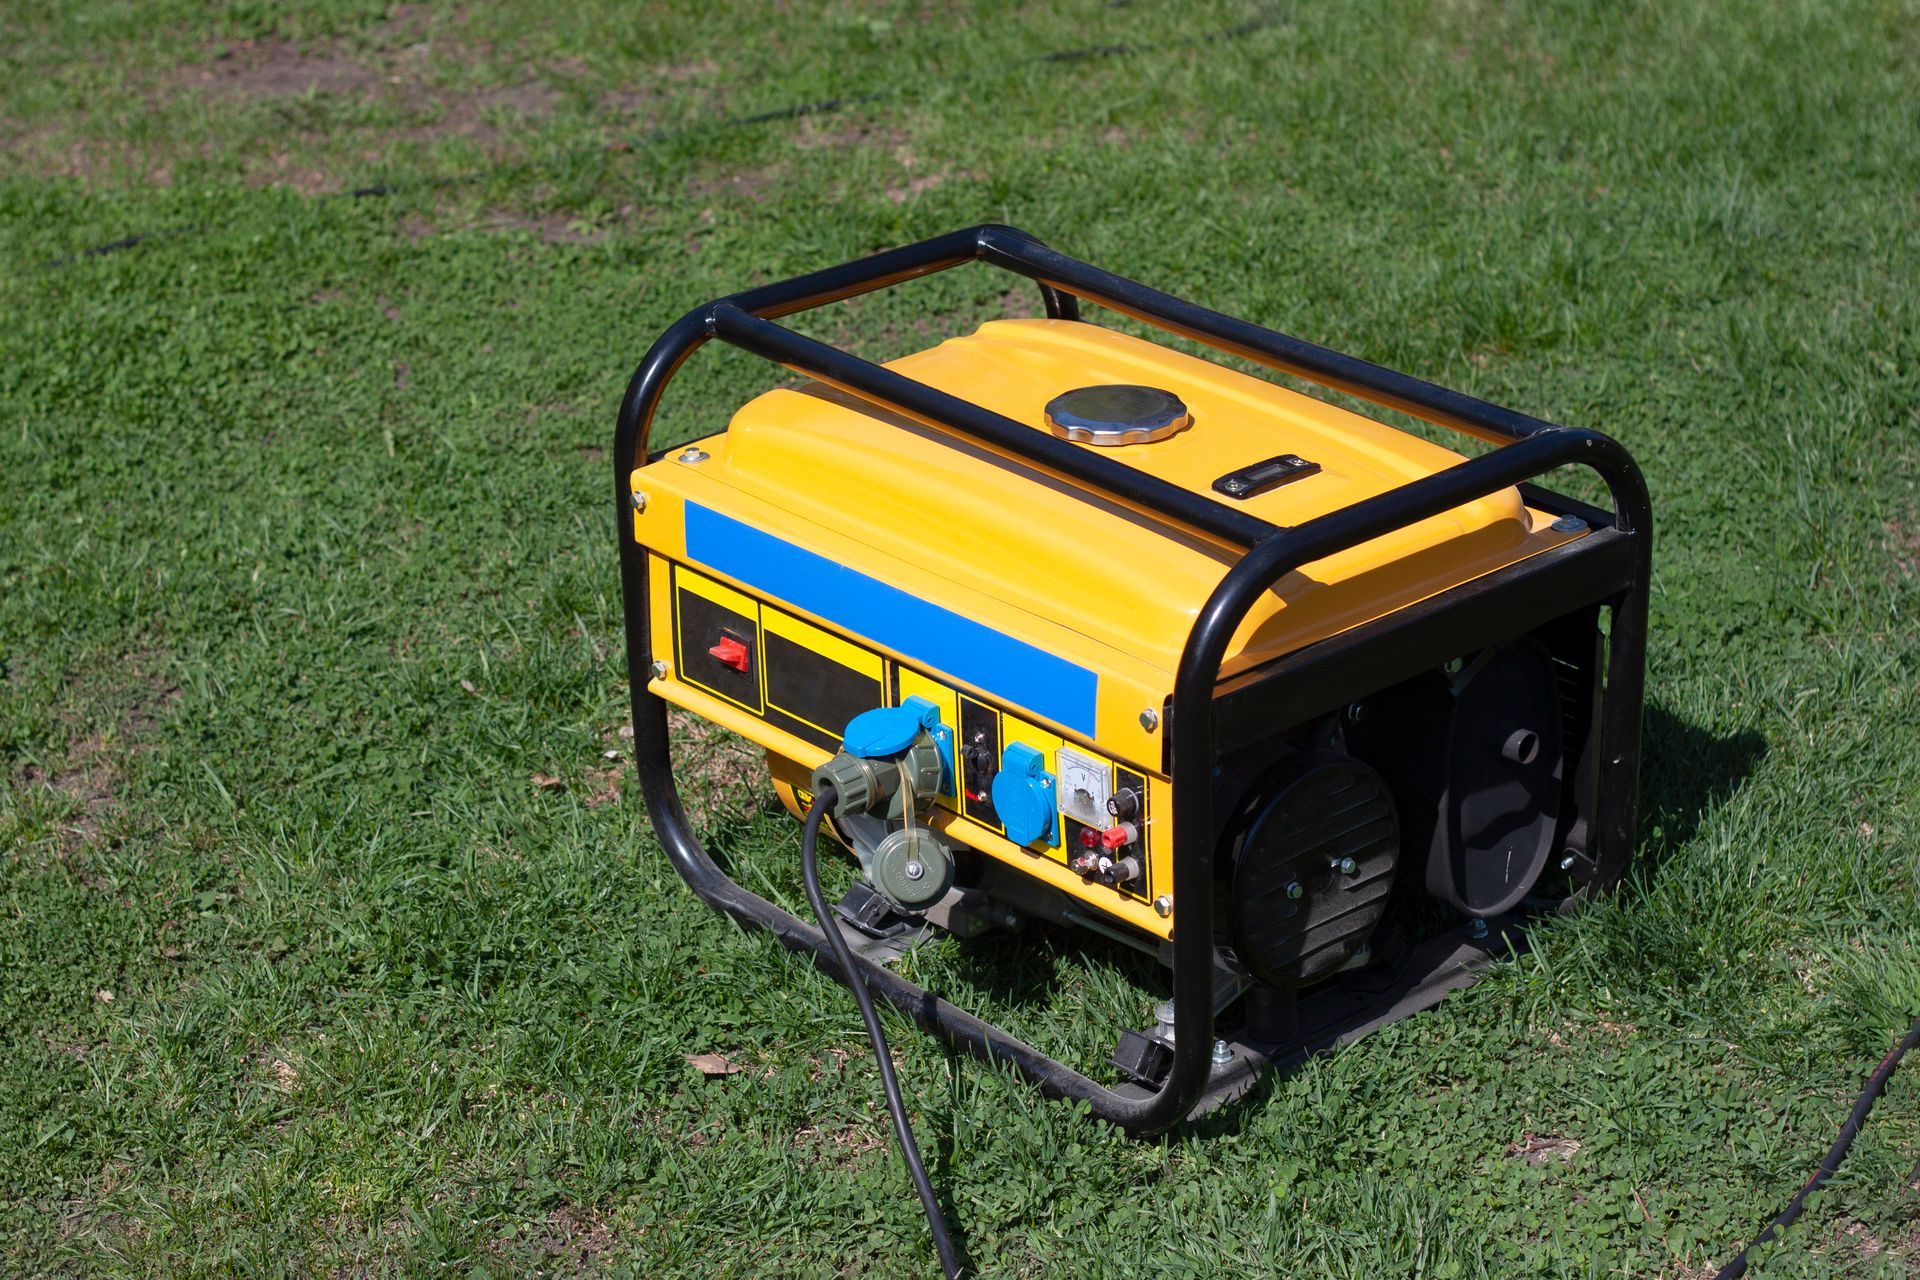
{"points": [[1262, 476]]}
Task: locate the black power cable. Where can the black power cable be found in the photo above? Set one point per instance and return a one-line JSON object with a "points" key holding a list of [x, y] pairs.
{"points": [[1876, 1085], [856, 979]]}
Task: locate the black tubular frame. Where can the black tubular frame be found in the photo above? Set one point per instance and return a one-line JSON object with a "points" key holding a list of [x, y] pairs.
{"points": [[1610, 567]]}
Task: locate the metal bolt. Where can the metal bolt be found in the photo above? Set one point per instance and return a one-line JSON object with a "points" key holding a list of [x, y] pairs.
{"points": [[1357, 712], [1566, 863], [639, 500], [913, 870], [1569, 524], [1233, 486], [1008, 919], [1222, 1053], [1294, 890], [1452, 666], [1346, 866], [1164, 905], [694, 454], [1149, 719], [1476, 928], [659, 670], [1163, 1013]]}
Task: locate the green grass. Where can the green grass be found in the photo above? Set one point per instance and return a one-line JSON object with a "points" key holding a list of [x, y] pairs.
{"points": [[307, 568]]}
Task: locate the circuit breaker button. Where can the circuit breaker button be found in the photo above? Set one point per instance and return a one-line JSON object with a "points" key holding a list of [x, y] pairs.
{"points": [[731, 651]]}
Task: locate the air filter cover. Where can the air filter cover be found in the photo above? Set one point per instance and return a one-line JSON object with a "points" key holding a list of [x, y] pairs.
{"points": [[1310, 868]]}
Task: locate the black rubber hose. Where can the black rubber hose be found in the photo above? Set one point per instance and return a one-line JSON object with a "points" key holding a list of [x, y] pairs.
{"points": [[1876, 1085], [902, 1131]]}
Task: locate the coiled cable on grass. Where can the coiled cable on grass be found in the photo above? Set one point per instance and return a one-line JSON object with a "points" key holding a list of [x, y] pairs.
{"points": [[1876, 1085], [856, 979]]}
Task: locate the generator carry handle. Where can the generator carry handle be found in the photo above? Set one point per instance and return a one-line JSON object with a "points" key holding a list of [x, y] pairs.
{"points": [[1611, 562]]}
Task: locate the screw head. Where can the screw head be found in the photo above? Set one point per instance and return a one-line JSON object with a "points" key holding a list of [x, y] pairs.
{"points": [[1149, 719], [659, 669], [1234, 486], [1452, 666], [913, 870], [639, 500], [1294, 890], [1569, 524], [694, 454], [1476, 928], [1222, 1052], [1358, 712], [1347, 867], [1164, 905]]}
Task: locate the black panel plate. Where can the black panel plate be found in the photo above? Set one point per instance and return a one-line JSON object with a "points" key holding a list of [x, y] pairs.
{"points": [[810, 695], [979, 725], [698, 624]]}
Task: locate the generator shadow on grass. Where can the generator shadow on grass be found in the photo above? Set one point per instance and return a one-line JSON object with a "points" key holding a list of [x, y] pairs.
{"points": [[1686, 772]]}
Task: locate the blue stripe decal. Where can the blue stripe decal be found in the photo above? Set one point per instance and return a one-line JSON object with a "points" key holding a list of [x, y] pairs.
{"points": [[1014, 672]]}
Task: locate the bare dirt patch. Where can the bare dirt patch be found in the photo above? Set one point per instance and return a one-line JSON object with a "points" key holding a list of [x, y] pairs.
{"points": [[91, 769], [1904, 536], [841, 1147], [553, 228], [721, 775], [1538, 1149], [815, 134], [749, 186], [277, 68], [905, 191], [573, 1234], [307, 145], [1864, 1248]]}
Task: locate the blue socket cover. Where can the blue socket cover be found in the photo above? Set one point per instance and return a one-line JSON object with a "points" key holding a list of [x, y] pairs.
{"points": [[888, 731], [1023, 795]]}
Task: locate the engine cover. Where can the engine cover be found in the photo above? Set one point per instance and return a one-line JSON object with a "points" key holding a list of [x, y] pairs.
{"points": [[1309, 861], [1481, 812]]}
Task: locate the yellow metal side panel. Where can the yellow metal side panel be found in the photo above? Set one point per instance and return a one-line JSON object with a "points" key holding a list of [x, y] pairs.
{"points": [[1159, 838], [1012, 730], [912, 683], [659, 594], [719, 593], [825, 643], [727, 715]]}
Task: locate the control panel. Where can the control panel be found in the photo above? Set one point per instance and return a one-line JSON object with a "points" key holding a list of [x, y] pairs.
{"points": [[1053, 798]]}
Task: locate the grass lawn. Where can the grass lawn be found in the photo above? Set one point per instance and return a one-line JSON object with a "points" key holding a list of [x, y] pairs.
{"points": [[332, 938]]}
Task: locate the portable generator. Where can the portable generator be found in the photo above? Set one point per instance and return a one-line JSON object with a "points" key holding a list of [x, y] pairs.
{"points": [[1052, 622]]}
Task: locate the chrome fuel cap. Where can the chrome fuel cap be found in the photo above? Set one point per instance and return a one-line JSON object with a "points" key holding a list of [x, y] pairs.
{"points": [[1117, 414]]}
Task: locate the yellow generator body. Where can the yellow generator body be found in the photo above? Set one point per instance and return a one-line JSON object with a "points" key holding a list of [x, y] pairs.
{"points": [[858, 560], [1098, 576]]}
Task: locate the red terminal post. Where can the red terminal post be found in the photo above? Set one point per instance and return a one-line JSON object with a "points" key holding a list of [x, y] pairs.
{"points": [[1119, 835]]}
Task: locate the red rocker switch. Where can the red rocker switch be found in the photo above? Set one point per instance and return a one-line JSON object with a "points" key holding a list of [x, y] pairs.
{"points": [[732, 652]]}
